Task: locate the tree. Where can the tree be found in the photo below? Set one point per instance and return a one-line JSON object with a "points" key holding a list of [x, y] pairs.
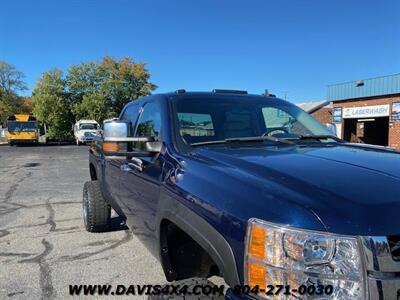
{"points": [[110, 83], [14, 104], [93, 106], [51, 105], [26, 105], [83, 79], [11, 79], [10, 84], [125, 81], [94, 90], [9, 104]]}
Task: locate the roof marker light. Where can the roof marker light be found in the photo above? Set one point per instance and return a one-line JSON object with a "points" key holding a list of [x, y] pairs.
{"points": [[267, 94]]}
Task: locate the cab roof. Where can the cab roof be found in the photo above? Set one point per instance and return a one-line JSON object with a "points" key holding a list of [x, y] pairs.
{"points": [[218, 92], [87, 121]]}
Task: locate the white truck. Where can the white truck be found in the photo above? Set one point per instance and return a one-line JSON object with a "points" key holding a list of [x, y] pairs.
{"points": [[85, 131]]}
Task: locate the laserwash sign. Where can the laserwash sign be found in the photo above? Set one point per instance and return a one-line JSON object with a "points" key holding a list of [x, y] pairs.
{"points": [[366, 111]]}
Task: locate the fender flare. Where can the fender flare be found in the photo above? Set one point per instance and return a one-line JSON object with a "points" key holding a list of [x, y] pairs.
{"points": [[202, 232]]}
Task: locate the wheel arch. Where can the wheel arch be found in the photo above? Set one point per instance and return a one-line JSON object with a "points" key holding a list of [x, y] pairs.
{"points": [[201, 232], [93, 172]]}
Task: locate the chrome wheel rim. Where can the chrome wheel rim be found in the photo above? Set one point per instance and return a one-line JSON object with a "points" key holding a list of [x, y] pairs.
{"points": [[85, 205]]}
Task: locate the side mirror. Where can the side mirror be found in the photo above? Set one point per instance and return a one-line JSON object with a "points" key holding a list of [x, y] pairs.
{"points": [[332, 128], [154, 147], [117, 140], [115, 130]]}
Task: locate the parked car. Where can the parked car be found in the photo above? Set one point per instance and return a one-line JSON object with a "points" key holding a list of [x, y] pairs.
{"points": [[85, 131], [252, 189]]}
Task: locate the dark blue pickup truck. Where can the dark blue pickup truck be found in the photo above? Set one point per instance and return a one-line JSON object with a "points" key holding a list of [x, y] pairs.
{"points": [[252, 189]]}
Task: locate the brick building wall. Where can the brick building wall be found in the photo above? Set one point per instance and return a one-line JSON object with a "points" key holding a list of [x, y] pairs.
{"points": [[394, 126], [324, 115]]}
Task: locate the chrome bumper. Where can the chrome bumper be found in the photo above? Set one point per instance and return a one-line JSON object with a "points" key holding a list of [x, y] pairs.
{"points": [[383, 280], [384, 289], [86, 139]]}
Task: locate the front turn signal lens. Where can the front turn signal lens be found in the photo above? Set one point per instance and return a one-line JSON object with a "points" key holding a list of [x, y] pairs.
{"points": [[257, 276], [257, 241], [110, 147]]}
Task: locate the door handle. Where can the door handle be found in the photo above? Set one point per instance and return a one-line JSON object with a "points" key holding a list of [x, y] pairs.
{"points": [[134, 164]]}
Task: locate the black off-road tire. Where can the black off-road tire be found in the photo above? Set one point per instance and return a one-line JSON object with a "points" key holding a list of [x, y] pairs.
{"points": [[191, 283], [96, 211]]}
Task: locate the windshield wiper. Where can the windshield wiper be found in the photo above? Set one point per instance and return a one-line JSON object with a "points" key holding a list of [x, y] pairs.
{"points": [[315, 137], [244, 140]]}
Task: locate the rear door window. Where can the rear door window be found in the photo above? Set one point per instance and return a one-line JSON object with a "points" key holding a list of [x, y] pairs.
{"points": [[149, 123], [131, 114]]}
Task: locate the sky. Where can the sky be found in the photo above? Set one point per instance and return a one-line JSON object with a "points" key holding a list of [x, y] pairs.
{"points": [[292, 48]]}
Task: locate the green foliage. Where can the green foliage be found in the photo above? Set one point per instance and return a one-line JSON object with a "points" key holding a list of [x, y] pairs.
{"points": [[10, 84], [93, 106], [110, 82], [5, 110], [94, 90], [11, 79], [51, 105], [25, 106], [84, 79]]}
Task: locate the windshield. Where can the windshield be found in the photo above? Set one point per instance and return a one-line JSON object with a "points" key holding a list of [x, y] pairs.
{"points": [[22, 126], [218, 118], [88, 126]]}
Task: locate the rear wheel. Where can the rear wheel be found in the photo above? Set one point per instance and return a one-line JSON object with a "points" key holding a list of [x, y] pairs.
{"points": [[195, 289], [96, 211]]}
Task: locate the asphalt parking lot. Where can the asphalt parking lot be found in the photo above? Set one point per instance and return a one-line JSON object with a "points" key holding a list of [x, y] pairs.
{"points": [[43, 244]]}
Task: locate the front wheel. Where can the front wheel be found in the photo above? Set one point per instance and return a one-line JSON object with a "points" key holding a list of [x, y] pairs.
{"points": [[96, 211], [78, 143]]}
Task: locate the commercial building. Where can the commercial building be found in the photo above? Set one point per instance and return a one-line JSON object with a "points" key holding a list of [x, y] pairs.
{"points": [[367, 111]]}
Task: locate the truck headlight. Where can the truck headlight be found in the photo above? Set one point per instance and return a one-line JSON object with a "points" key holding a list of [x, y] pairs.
{"points": [[292, 257]]}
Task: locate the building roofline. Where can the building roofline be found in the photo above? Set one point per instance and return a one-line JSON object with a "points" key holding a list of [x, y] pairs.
{"points": [[366, 98], [370, 78]]}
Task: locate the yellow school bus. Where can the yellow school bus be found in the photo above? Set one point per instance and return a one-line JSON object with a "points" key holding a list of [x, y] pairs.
{"points": [[22, 129]]}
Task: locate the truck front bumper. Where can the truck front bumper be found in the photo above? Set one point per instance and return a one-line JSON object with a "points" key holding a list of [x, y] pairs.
{"points": [[86, 139], [21, 141], [383, 268], [384, 289]]}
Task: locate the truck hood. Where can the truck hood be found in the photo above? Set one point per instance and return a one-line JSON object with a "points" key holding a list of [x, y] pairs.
{"points": [[350, 189]]}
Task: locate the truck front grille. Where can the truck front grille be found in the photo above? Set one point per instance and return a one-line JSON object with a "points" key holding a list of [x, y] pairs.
{"points": [[394, 243]]}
